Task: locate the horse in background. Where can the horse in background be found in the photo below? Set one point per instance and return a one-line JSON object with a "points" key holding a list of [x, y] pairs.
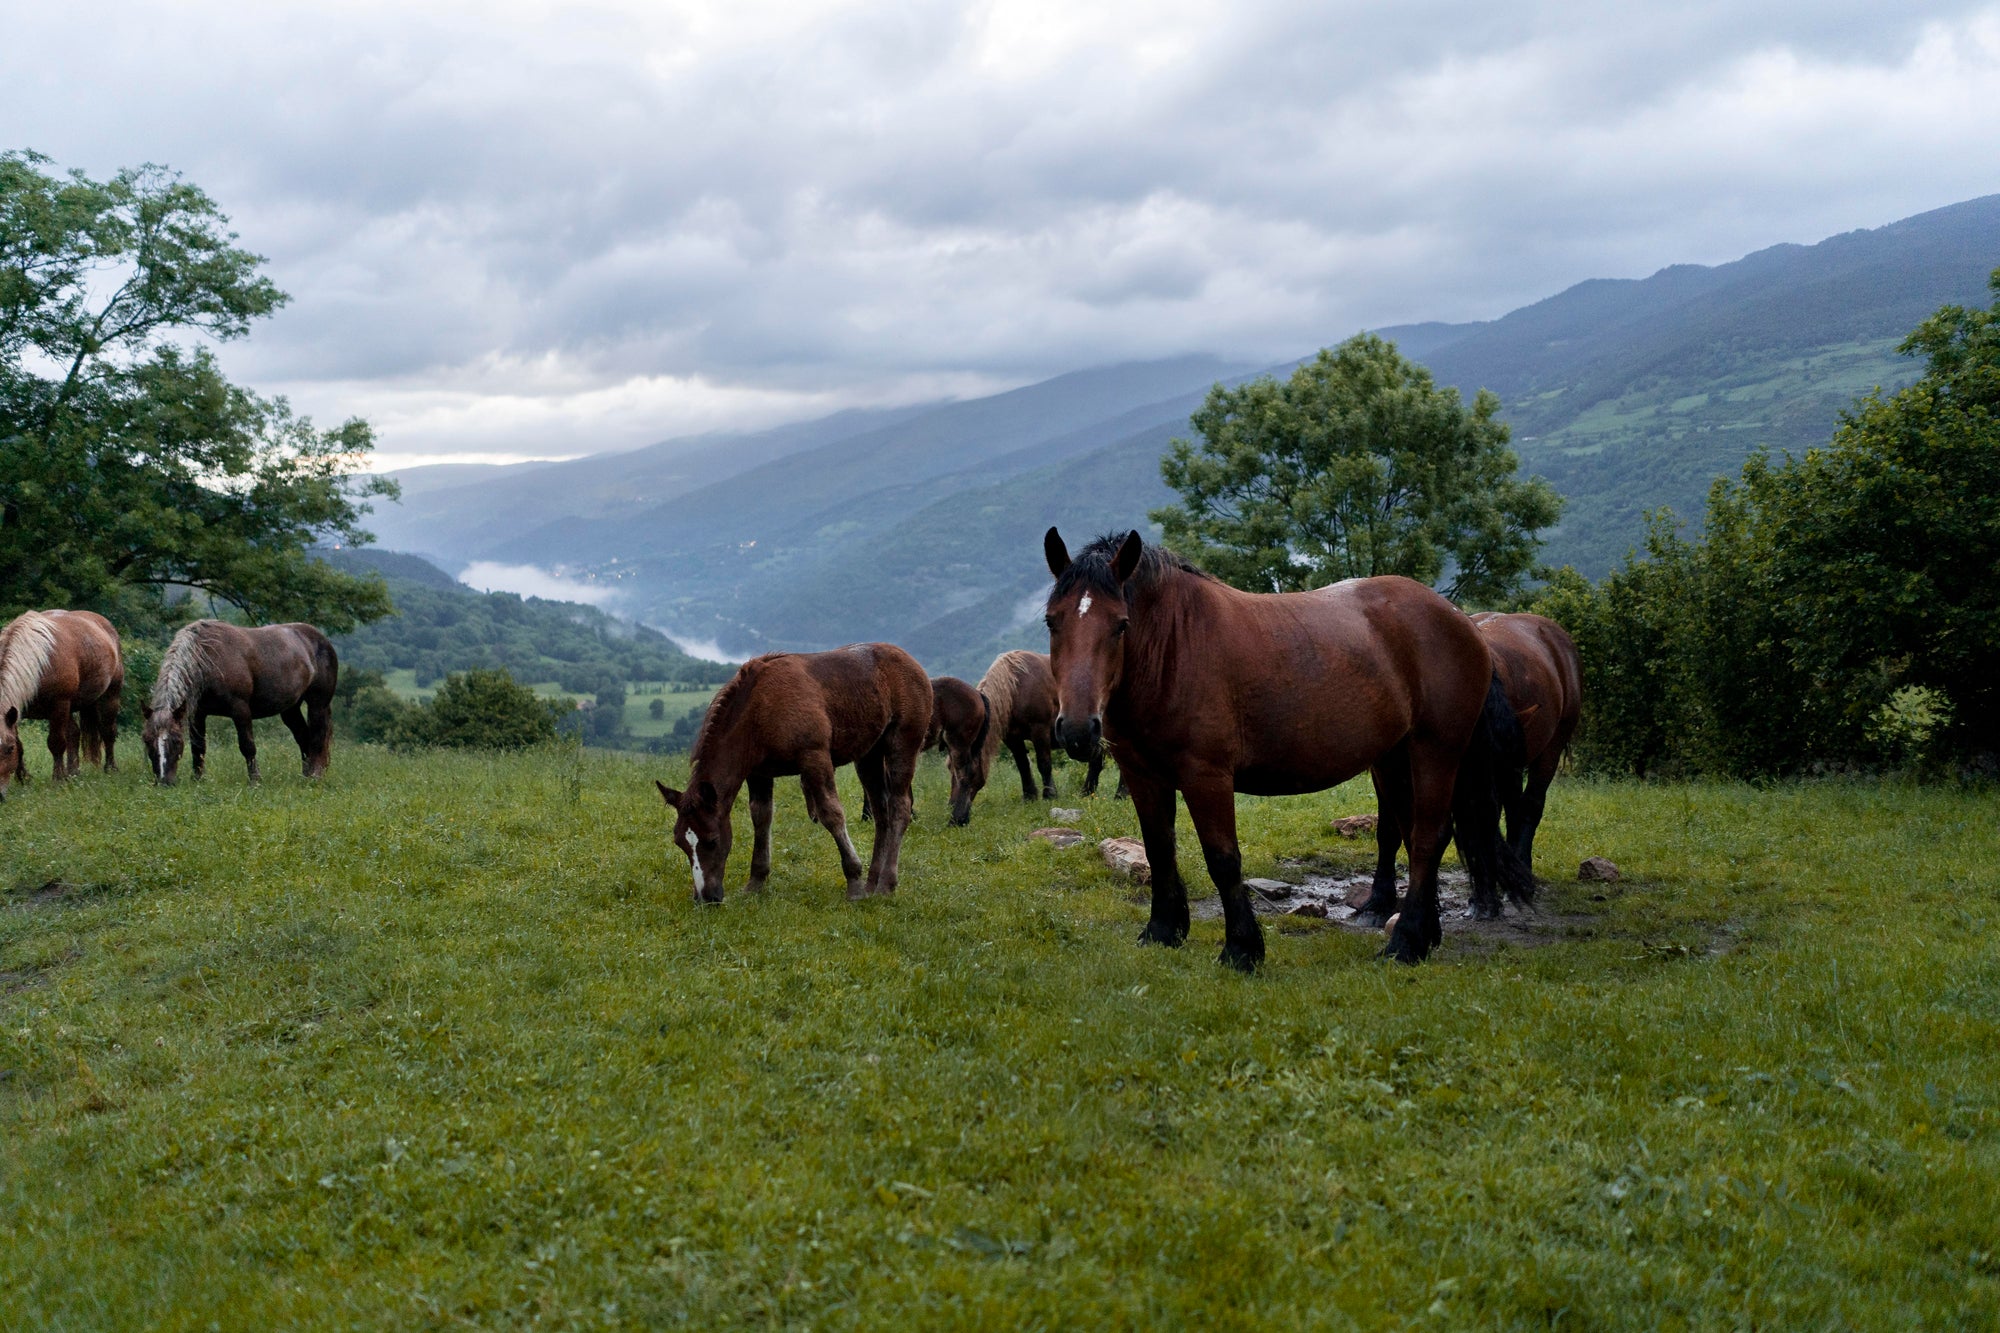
{"points": [[1201, 689], [1536, 663], [213, 668], [64, 666], [804, 715], [1014, 706]]}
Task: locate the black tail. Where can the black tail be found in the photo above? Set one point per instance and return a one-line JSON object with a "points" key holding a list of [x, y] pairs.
{"points": [[1489, 780]]}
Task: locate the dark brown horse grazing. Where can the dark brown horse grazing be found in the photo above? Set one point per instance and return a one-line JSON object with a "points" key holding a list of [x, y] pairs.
{"points": [[213, 667], [1208, 691], [1537, 666], [64, 666], [805, 714]]}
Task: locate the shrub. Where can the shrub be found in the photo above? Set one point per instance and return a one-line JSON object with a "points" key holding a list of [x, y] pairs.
{"points": [[483, 710]]}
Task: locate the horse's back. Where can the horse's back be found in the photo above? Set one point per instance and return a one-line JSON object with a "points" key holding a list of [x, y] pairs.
{"points": [[843, 701], [1031, 685], [1304, 690], [87, 664], [1539, 669]]}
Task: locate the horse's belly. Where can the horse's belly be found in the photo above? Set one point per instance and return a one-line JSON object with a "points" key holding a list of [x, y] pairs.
{"points": [[1292, 781]]}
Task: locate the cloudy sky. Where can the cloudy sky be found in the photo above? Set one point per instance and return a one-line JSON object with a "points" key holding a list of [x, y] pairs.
{"points": [[516, 230]]}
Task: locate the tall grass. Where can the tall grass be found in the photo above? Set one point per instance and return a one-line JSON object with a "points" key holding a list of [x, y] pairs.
{"points": [[442, 1040]]}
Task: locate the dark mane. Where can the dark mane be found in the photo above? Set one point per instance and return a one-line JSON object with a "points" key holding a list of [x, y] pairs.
{"points": [[1090, 568]]}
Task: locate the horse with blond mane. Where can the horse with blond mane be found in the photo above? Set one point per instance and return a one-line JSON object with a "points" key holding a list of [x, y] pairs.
{"points": [[64, 666], [1014, 705], [213, 667]]}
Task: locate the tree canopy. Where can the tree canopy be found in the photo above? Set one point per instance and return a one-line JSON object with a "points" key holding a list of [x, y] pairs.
{"points": [[1842, 606], [1357, 465], [129, 464]]}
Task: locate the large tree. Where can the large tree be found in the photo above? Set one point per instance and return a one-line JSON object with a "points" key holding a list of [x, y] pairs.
{"points": [[1357, 465], [129, 464]]}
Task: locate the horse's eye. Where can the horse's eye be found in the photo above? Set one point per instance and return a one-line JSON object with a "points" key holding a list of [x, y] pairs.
{"points": [[1119, 633], [1050, 621]]}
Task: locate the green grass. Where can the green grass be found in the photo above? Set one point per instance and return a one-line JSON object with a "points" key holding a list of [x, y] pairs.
{"points": [[443, 1041]]}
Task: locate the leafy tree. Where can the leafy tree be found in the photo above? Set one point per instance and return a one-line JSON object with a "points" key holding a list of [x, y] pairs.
{"points": [[128, 463], [1357, 465], [483, 710]]}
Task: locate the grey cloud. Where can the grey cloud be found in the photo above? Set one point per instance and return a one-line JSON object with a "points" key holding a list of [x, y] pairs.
{"points": [[880, 192]]}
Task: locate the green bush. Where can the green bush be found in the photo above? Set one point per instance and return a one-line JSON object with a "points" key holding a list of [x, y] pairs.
{"points": [[482, 710]]}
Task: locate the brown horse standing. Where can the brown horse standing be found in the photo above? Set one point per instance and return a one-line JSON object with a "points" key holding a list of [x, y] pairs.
{"points": [[64, 666], [213, 667], [1537, 666], [1015, 706], [805, 714], [1208, 691]]}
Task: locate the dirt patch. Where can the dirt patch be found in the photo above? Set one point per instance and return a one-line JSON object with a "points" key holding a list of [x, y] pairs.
{"points": [[50, 893], [1319, 890]]}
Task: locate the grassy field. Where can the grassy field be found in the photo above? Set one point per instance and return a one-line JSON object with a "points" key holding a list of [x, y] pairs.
{"points": [[442, 1041]]}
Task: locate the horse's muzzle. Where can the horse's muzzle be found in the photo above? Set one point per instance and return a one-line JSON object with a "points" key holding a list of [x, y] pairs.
{"points": [[1080, 742]]}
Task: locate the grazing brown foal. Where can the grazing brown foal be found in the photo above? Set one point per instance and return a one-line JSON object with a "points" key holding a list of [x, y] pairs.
{"points": [[64, 666], [804, 715]]}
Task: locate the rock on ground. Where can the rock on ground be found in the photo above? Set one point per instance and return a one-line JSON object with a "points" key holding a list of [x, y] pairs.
{"points": [[1353, 826], [1128, 857], [1598, 870], [1058, 837], [1063, 816]]}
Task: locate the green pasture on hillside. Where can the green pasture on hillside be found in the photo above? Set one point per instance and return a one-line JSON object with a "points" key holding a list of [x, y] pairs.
{"points": [[442, 1041], [680, 699]]}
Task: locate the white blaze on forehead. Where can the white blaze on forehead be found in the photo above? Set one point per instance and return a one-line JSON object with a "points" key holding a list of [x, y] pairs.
{"points": [[694, 860], [163, 755], [1083, 607]]}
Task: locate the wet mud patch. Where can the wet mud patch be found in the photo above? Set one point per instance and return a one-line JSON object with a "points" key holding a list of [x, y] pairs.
{"points": [[1312, 892]]}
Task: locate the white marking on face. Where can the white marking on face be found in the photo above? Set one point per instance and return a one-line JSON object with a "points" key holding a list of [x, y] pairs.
{"points": [[694, 860], [1083, 607], [163, 756]]}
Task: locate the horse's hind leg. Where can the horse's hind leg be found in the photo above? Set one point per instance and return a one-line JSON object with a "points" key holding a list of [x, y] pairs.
{"points": [[1391, 776], [1433, 773], [760, 824], [1526, 815], [823, 803], [881, 788], [246, 741], [1212, 807], [107, 727]]}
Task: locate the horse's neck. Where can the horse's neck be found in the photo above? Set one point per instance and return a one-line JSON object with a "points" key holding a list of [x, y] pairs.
{"points": [[722, 767], [1157, 635]]}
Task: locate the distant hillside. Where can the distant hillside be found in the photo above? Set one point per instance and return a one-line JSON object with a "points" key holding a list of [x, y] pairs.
{"points": [[442, 626], [924, 526]]}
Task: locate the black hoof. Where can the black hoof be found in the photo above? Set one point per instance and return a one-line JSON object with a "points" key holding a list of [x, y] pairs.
{"points": [[1241, 960], [1405, 948], [1048, 793], [1155, 934], [1483, 911]]}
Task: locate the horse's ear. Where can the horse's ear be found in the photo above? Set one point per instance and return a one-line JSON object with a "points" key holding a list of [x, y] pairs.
{"points": [[707, 795], [1057, 553], [1126, 562], [668, 794]]}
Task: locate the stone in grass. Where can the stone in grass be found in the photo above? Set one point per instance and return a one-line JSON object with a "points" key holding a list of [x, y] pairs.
{"points": [[1358, 896], [1353, 826], [1062, 816], [1309, 909], [1271, 888], [1597, 870], [1128, 857], [1058, 837]]}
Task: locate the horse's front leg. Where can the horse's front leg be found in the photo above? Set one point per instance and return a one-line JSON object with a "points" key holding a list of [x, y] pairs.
{"points": [[1153, 802], [1212, 807], [760, 823], [59, 739], [246, 741], [197, 739], [1019, 749], [823, 803], [1045, 761]]}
